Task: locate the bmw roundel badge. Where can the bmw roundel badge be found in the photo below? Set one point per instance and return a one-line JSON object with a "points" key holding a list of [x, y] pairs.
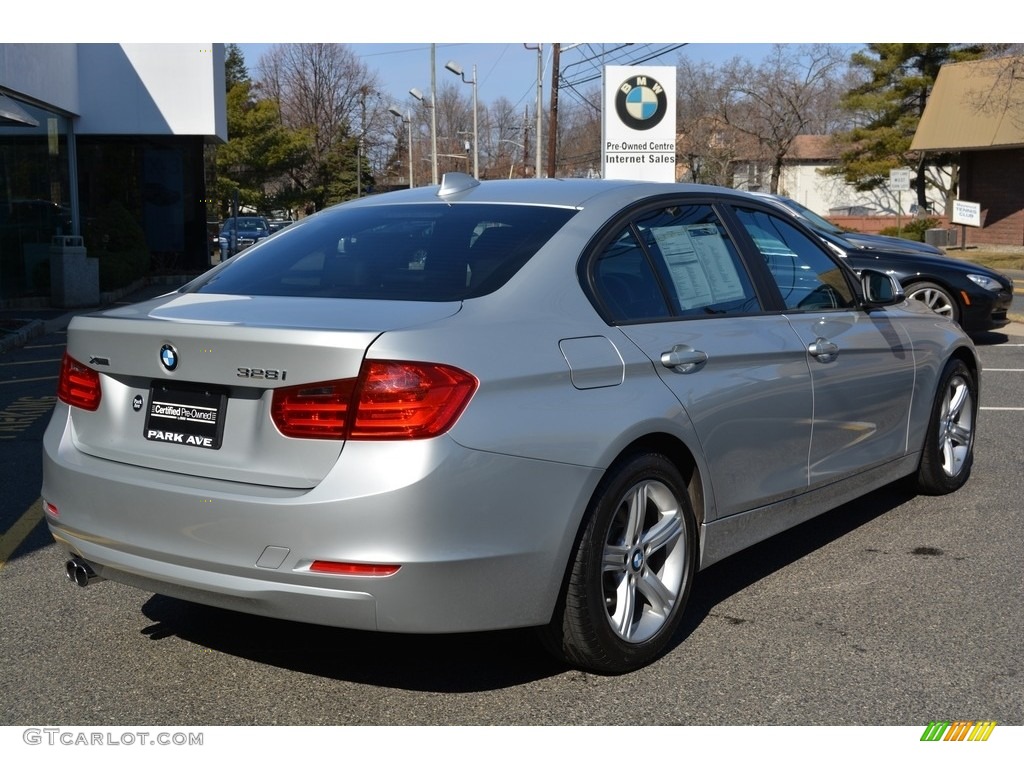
{"points": [[641, 102], [169, 357]]}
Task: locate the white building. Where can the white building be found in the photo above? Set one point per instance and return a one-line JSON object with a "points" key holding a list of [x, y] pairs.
{"points": [[802, 180]]}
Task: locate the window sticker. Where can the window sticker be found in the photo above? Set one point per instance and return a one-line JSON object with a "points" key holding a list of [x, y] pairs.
{"points": [[699, 262]]}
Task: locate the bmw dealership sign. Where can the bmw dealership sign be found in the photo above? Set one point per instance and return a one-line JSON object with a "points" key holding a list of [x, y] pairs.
{"points": [[639, 126]]}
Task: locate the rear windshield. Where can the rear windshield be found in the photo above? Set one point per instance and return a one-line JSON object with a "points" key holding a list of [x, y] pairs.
{"points": [[424, 252]]}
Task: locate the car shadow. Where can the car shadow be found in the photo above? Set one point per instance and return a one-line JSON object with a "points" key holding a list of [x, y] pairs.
{"points": [[475, 662], [455, 663], [737, 572], [989, 338]]}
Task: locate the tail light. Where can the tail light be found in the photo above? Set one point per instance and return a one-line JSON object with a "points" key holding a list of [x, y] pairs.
{"points": [[78, 385], [391, 400], [313, 410]]}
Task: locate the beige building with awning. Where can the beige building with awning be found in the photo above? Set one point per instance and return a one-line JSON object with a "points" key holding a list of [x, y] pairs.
{"points": [[976, 108]]}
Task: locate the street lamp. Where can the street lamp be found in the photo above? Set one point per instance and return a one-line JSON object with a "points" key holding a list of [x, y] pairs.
{"points": [[418, 95], [453, 67], [407, 119]]}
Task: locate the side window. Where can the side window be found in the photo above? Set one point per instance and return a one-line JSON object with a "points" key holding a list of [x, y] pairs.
{"points": [[806, 275], [676, 261], [625, 282]]}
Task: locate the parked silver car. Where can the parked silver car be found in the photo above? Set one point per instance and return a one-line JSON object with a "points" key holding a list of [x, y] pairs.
{"points": [[501, 404]]}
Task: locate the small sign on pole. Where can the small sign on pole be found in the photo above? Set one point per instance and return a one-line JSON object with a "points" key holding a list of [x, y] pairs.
{"points": [[899, 182], [966, 215], [899, 179]]}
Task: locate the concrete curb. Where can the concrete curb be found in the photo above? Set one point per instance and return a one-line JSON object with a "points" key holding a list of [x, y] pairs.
{"points": [[22, 336]]}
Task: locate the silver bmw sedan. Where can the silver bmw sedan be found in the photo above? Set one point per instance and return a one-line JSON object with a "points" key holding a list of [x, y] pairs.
{"points": [[486, 405]]}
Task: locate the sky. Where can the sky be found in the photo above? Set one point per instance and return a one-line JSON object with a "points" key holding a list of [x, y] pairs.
{"points": [[394, 36], [509, 70]]}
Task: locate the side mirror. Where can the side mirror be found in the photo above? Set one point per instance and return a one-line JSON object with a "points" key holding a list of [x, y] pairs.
{"points": [[880, 289]]}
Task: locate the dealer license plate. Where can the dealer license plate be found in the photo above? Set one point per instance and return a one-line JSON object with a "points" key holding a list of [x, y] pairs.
{"points": [[186, 415]]}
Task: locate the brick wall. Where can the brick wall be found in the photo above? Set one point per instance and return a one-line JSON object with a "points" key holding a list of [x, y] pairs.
{"points": [[993, 179], [872, 225]]}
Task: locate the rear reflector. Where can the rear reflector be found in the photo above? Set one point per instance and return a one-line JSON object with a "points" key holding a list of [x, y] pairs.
{"points": [[353, 569], [391, 400], [78, 385]]}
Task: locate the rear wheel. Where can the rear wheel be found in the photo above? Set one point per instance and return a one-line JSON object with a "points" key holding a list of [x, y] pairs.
{"points": [[938, 299], [631, 572], [949, 446]]}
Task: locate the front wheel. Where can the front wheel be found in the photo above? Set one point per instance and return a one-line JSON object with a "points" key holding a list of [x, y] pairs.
{"points": [[938, 299], [631, 571], [949, 445]]}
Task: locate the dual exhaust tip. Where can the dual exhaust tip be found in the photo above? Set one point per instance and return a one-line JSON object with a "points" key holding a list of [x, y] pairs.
{"points": [[80, 572]]}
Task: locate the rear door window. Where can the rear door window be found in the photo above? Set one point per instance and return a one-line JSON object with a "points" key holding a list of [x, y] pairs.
{"points": [[675, 261]]}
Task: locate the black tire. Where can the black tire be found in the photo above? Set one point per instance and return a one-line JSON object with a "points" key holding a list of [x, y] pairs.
{"points": [[631, 572], [948, 452], [938, 299]]}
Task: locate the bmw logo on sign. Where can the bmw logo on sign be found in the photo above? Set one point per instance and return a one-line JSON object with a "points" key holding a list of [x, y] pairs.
{"points": [[641, 102], [169, 357]]}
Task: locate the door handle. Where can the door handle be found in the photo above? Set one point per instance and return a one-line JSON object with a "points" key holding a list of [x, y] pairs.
{"points": [[683, 359], [824, 350]]}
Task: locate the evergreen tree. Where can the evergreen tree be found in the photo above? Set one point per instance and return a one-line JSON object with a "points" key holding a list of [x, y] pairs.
{"points": [[888, 105], [259, 152], [235, 71]]}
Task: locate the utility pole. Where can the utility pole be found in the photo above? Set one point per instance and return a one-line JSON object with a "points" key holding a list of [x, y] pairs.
{"points": [[553, 114]]}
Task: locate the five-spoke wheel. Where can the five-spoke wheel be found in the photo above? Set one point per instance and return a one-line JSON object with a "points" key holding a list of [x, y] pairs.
{"points": [[949, 446]]}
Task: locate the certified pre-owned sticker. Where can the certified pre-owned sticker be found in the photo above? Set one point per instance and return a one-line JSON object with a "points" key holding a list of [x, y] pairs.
{"points": [[185, 415]]}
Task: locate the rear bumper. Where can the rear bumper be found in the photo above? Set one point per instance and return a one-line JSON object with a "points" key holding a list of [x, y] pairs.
{"points": [[482, 539]]}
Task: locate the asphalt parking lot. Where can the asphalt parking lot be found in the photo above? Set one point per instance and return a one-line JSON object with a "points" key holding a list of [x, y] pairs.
{"points": [[892, 610]]}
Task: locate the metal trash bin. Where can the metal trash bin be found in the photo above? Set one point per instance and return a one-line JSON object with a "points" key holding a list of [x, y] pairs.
{"points": [[74, 277]]}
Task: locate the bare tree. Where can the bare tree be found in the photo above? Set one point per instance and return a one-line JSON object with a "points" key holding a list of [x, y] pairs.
{"points": [[501, 140], [325, 91], [454, 129], [792, 92], [1001, 87], [708, 149], [579, 137]]}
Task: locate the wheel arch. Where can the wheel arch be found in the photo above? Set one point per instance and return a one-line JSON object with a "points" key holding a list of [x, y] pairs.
{"points": [[970, 359], [680, 455]]}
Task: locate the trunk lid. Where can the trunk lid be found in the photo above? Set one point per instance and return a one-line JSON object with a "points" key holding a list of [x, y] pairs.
{"points": [[187, 380]]}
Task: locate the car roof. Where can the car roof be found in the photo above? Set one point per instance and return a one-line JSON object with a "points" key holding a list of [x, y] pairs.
{"points": [[575, 193]]}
